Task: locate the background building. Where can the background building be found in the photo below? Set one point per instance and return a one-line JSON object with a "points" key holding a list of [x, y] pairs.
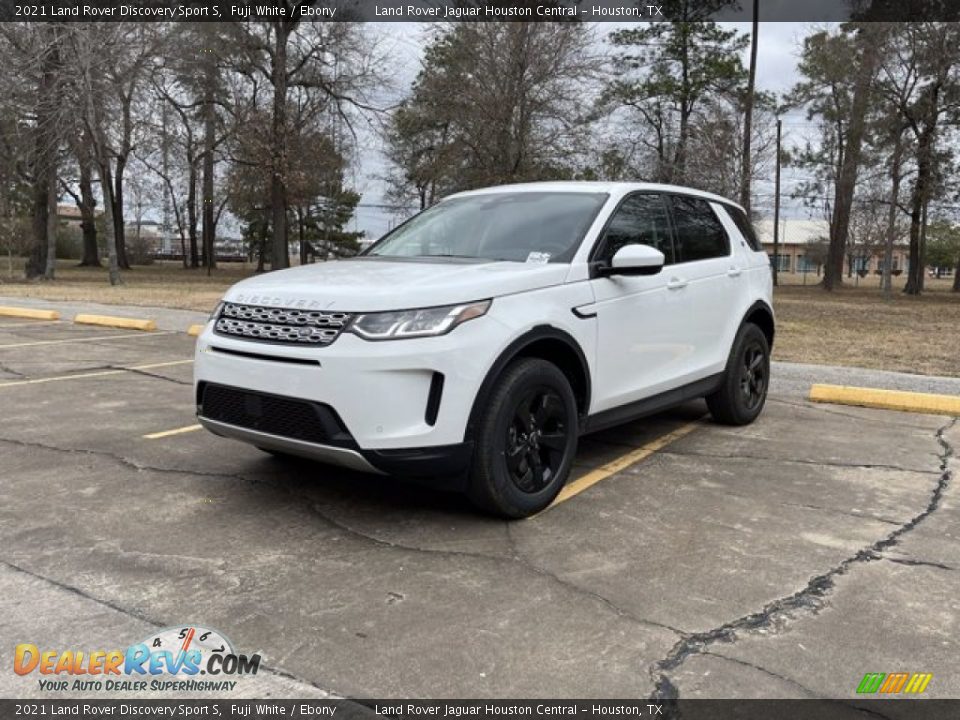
{"points": [[803, 247]]}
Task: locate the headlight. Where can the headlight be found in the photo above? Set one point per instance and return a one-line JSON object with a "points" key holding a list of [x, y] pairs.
{"points": [[216, 311], [426, 322]]}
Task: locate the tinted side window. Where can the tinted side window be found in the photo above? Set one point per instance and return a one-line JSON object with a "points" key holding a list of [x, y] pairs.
{"points": [[745, 227], [699, 233], [640, 220]]}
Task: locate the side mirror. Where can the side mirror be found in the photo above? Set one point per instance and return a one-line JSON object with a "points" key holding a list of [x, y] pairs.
{"points": [[634, 260]]}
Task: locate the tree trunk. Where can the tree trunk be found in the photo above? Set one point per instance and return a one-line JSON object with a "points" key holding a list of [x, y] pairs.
{"points": [[44, 155], [918, 198], [192, 215], [119, 226], [209, 128], [278, 183], [87, 207], [50, 271], [847, 180], [922, 276], [895, 162], [300, 235], [956, 277], [37, 261], [262, 244], [678, 174], [106, 188]]}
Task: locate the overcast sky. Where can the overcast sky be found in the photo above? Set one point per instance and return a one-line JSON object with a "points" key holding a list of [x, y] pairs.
{"points": [[777, 56]]}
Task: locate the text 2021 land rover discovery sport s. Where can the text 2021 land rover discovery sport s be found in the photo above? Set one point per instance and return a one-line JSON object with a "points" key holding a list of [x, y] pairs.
{"points": [[478, 340]]}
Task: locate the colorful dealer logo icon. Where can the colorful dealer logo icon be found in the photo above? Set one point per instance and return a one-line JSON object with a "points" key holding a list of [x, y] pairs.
{"points": [[892, 683], [176, 652]]}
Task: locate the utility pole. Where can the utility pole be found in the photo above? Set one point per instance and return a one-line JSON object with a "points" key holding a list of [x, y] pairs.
{"points": [[776, 211], [748, 113]]}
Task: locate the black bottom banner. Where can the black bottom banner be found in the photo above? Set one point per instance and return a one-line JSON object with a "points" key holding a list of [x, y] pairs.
{"points": [[894, 709]]}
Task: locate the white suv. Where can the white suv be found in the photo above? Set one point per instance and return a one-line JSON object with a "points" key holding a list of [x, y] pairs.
{"points": [[474, 343]]}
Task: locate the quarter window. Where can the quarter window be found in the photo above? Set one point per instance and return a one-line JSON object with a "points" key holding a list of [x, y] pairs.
{"points": [[700, 235], [640, 220], [744, 226]]}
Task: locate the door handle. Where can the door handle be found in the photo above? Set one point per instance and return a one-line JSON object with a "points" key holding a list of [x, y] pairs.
{"points": [[676, 284], [734, 272]]}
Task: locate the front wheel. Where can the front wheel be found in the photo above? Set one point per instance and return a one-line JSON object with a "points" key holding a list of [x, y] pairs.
{"points": [[743, 391], [526, 440]]}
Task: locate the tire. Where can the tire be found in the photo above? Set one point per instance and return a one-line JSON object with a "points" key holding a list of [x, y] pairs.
{"points": [[526, 440], [746, 378]]}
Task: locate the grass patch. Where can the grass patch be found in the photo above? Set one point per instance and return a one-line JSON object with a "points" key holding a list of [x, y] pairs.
{"points": [[852, 326], [162, 284]]}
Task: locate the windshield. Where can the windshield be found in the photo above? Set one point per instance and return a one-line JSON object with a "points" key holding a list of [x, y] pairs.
{"points": [[520, 226]]}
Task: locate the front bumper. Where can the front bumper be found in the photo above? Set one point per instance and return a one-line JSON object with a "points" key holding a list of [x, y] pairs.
{"points": [[449, 463], [342, 456], [402, 406]]}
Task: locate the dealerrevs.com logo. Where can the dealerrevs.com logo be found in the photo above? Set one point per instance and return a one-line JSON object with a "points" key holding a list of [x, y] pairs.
{"points": [[188, 658]]}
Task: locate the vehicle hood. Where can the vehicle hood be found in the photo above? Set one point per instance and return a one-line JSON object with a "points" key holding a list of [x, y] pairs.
{"points": [[371, 285]]}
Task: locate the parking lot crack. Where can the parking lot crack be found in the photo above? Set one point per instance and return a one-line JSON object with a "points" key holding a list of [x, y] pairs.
{"points": [[11, 371], [514, 558], [818, 508], [540, 570], [156, 376], [919, 563], [126, 462], [796, 461], [766, 671], [775, 615]]}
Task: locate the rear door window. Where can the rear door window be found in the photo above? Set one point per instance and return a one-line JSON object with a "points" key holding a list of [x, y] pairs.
{"points": [[699, 233]]}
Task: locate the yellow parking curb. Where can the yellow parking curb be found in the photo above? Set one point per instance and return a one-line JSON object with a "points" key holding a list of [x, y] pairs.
{"points": [[29, 313], [887, 399], [194, 330], [117, 322]]}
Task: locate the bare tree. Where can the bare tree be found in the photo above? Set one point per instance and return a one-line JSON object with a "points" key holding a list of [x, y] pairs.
{"points": [[33, 92], [458, 129], [336, 61], [91, 45]]}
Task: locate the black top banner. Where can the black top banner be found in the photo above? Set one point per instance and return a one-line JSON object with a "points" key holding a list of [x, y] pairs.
{"points": [[478, 10]]}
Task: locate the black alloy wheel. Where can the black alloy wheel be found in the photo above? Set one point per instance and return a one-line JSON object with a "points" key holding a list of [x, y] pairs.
{"points": [[525, 441], [536, 440], [743, 387], [753, 375]]}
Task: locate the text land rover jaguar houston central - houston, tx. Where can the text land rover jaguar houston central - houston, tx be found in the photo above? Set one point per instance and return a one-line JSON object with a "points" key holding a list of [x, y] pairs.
{"points": [[473, 344]]}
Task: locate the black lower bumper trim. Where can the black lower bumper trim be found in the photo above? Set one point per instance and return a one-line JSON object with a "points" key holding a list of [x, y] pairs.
{"points": [[443, 463]]}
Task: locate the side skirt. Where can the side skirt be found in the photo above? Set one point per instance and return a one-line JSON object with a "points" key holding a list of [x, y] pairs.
{"points": [[651, 405]]}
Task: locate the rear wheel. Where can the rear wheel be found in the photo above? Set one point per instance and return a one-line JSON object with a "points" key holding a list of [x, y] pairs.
{"points": [[526, 440], [745, 381]]}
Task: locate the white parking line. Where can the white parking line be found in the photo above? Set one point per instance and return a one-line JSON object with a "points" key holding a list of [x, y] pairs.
{"points": [[99, 373], [85, 339], [31, 323]]}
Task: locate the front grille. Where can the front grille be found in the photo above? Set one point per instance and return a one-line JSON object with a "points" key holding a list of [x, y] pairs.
{"points": [[274, 414], [281, 325]]}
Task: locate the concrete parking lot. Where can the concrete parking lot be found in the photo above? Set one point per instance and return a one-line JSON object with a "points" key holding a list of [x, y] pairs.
{"points": [[784, 559]]}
